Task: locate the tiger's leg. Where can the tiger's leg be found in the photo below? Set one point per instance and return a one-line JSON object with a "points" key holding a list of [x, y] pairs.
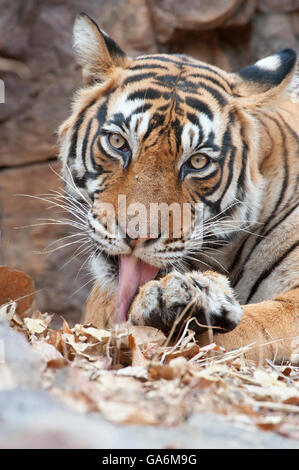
{"points": [[211, 300], [159, 304], [100, 308], [273, 325]]}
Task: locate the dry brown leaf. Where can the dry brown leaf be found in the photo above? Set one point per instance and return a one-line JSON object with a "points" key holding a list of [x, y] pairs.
{"points": [[143, 334], [49, 354], [269, 423], [131, 375], [35, 326], [140, 372], [128, 413], [188, 353], [8, 311], [92, 333], [16, 286], [160, 371], [286, 371], [292, 401], [66, 328], [138, 358]]}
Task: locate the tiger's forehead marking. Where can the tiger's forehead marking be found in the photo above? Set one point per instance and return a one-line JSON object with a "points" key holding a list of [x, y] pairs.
{"points": [[166, 92]]}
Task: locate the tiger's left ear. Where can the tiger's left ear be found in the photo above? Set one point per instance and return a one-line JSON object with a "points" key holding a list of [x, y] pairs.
{"points": [[96, 52], [266, 78]]}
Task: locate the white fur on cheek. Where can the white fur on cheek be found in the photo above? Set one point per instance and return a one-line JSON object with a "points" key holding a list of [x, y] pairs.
{"points": [[104, 276]]}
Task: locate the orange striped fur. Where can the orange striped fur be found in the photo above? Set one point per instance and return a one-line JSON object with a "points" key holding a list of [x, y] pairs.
{"points": [[244, 127]]}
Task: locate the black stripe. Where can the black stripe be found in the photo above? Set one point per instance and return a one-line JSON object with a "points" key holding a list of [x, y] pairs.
{"points": [[102, 112], [277, 204], [148, 66], [268, 271], [230, 173], [199, 106], [85, 142], [157, 120], [178, 129], [161, 58], [241, 179], [194, 119], [216, 94], [237, 259], [182, 60], [258, 240], [168, 81], [281, 220], [285, 167], [138, 77], [211, 79], [164, 107], [207, 177], [148, 93], [213, 71], [80, 181], [73, 150], [225, 148]]}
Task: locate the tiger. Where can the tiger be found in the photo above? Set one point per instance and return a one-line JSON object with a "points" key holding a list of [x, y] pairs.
{"points": [[171, 129]]}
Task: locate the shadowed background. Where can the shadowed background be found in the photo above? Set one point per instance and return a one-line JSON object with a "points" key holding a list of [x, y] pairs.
{"points": [[38, 69]]}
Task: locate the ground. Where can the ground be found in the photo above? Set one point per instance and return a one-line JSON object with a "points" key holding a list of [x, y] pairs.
{"points": [[131, 387]]}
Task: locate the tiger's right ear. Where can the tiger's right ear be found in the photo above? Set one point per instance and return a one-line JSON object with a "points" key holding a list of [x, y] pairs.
{"points": [[96, 52]]}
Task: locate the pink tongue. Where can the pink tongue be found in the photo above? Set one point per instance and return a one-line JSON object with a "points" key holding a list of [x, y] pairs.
{"points": [[133, 273]]}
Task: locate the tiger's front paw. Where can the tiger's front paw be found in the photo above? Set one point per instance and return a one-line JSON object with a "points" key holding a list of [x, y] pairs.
{"points": [[160, 303]]}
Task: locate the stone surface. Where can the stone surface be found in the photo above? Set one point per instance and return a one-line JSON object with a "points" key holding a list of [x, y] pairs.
{"points": [[189, 15], [32, 419], [25, 237], [35, 107], [19, 357], [273, 32], [243, 15], [276, 6]]}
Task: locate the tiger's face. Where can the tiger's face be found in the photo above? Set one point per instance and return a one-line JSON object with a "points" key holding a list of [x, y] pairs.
{"points": [[161, 129]]}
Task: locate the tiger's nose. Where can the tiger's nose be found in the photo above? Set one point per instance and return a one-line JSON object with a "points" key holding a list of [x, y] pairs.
{"points": [[133, 239], [133, 242]]}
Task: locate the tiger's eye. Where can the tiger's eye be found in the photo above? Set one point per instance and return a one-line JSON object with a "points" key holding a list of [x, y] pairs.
{"points": [[198, 161], [117, 141]]}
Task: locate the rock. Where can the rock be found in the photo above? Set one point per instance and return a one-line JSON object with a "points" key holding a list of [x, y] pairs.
{"points": [[188, 15], [278, 6], [272, 33], [34, 108], [34, 420], [16, 17], [16, 286], [118, 19], [243, 15], [22, 243], [24, 364]]}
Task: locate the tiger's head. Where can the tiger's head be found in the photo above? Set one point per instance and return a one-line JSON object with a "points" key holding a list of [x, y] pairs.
{"points": [[163, 129]]}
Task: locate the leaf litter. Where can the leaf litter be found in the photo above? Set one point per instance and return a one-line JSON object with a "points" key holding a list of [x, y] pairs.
{"points": [[135, 375]]}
